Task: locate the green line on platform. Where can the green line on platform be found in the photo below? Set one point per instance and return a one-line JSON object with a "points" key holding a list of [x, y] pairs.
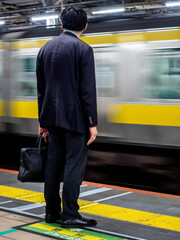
{"points": [[8, 231]]}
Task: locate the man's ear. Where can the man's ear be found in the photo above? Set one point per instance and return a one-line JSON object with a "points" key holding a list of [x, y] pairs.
{"points": [[62, 27], [85, 27]]}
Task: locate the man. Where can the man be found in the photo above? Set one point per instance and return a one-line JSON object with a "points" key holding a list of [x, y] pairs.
{"points": [[68, 113]]}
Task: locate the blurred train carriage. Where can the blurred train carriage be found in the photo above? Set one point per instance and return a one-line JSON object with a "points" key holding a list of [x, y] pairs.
{"points": [[138, 80]]}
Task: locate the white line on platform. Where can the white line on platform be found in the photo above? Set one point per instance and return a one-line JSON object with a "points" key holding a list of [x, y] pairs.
{"points": [[42, 215], [19, 211], [115, 196], [6, 202], [114, 233], [27, 207], [84, 185], [94, 191]]}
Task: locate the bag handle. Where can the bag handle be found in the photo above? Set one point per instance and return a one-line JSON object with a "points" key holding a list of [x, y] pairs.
{"points": [[39, 143]]}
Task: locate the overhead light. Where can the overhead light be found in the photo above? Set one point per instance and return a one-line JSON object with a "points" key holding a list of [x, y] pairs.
{"points": [[172, 4], [44, 17], [2, 22], [109, 11]]}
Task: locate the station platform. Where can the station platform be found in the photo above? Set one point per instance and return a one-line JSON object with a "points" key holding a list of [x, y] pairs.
{"points": [[121, 213]]}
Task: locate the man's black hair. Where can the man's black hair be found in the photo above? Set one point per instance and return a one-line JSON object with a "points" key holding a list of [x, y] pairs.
{"points": [[74, 18]]}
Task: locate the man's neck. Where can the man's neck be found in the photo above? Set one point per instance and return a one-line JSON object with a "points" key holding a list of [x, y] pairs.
{"points": [[78, 33]]}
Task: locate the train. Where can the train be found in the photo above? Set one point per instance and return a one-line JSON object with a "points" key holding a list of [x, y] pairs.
{"points": [[138, 83], [137, 64]]}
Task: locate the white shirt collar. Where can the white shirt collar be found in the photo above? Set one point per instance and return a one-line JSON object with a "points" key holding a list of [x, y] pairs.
{"points": [[67, 30]]}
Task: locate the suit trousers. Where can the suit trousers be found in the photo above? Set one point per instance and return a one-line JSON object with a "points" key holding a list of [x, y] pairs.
{"points": [[67, 155]]}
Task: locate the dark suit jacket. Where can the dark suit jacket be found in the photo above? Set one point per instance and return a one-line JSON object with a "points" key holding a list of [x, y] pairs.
{"points": [[66, 84]]}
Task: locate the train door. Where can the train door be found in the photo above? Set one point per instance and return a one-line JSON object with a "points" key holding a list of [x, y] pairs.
{"points": [[1, 87], [108, 80], [123, 114], [23, 102], [160, 88], [5, 74]]}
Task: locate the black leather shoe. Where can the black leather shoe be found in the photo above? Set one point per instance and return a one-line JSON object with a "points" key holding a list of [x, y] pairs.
{"points": [[52, 219], [78, 222]]}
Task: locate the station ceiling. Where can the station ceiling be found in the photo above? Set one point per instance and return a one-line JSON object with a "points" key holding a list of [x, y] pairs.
{"points": [[18, 13]]}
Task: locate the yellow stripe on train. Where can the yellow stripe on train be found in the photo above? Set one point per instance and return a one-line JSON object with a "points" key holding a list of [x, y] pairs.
{"points": [[1, 45], [1, 108], [22, 109], [144, 114], [116, 113], [28, 44], [108, 38], [133, 37]]}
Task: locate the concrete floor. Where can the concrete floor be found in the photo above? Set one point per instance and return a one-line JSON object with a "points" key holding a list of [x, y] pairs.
{"points": [[123, 213]]}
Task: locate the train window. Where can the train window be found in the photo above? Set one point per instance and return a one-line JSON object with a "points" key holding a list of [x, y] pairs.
{"points": [[161, 71], [106, 73], [25, 73]]}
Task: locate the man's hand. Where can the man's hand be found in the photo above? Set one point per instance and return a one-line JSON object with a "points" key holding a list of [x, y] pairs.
{"points": [[44, 132], [93, 133]]}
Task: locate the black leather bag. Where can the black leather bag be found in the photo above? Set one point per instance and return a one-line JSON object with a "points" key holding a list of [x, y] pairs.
{"points": [[32, 162]]}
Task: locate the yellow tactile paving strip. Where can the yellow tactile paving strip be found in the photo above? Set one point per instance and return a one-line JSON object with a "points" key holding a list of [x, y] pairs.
{"points": [[22, 194], [103, 210]]}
